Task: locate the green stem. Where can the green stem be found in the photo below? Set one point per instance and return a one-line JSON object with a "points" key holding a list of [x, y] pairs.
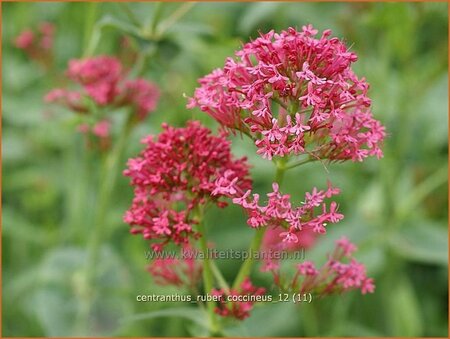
{"points": [[246, 267], [300, 162], [79, 169], [219, 277], [279, 102], [174, 17], [255, 245], [141, 63], [207, 275], [279, 173], [422, 190], [91, 16], [150, 30], [310, 321], [129, 13], [107, 185]]}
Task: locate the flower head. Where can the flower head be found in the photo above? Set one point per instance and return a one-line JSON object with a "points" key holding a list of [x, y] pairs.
{"points": [[183, 271], [323, 107], [37, 43], [341, 273], [176, 174], [344, 245], [25, 39], [142, 94], [237, 303], [102, 129], [101, 81], [98, 135], [70, 99], [47, 31], [293, 222], [272, 247], [99, 76]]}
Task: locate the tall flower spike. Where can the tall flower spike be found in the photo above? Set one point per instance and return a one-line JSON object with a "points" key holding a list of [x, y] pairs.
{"points": [[324, 109], [176, 173]]}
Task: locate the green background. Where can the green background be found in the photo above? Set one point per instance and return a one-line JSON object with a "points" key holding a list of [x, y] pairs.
{"points": [[395, 209]]}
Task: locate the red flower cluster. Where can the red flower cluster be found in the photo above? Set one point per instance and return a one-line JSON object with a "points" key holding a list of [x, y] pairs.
{"points": [[99, 77], [105, 83], [237, 303], [323, 107], [70, 99], [272, 248], [185, 271], [293, 94], [335, 276], [173, 176], [142, 94], [37, 44], [272, 238], [100, 130], [279, 212]]}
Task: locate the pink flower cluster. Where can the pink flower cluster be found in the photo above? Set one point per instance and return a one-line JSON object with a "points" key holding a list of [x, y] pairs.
{"points": [[104, 81], [272, 249], [323, 107], [97, 135], [70, 99], [142, 94], [237, 307], [37, 44], [24, 40], [101, 129], [335, 276], [294, 94], [312, 215], [185, 271], [99, 77], [272, 238], [176, 174]]}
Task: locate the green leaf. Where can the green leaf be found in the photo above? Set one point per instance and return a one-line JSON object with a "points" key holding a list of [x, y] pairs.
{"points": [[59, 293], [433, 126], [403, 311], [53, 310], [422, 242], [190, 28], [109, 21], [19, 76], [17, 226], [255, 14], [354, 329], [168, 49]]}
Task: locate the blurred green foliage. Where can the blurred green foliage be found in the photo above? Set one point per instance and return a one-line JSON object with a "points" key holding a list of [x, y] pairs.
{"points": [[395, 209]]}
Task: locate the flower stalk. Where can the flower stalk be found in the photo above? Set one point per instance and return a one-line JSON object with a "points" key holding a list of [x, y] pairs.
{"points": [[208, 278], [107, 185], [255, 245]]}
